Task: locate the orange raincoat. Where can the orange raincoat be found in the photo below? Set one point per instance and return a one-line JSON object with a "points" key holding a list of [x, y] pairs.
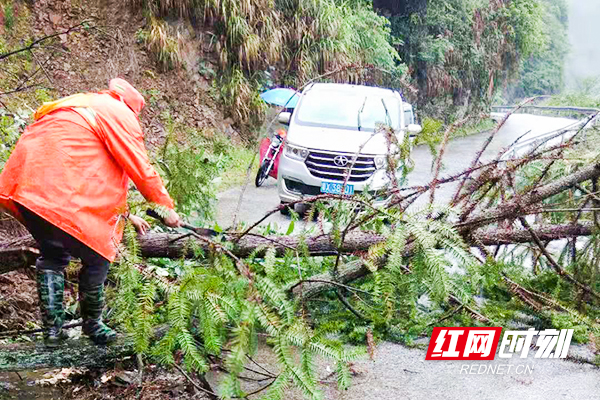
{"points": [[72, 166]]}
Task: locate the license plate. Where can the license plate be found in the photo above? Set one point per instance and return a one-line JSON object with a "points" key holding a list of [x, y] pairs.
{"points": [[336, 188]]}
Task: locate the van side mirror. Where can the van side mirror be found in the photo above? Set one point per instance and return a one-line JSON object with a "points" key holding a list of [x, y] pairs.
{"points": [[414, 129], [284, 118]]}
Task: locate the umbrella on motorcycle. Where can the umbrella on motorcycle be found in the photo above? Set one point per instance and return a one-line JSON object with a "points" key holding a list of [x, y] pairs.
{"points": [[270, 149], [283, 97]]}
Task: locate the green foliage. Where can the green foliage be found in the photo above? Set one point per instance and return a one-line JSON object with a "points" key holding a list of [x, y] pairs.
{"points": [[235, 160], [410, 281], [210, 306], [526, 26], [542, 73], [9, 16], [336, 34], [190, 171], [162, 43], [464, 49], [585, 95], [11, 126], [240, 96], [301, 39], [42, 95]]}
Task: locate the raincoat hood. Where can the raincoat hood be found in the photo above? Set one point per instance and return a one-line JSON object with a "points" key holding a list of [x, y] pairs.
{"points": [[127, 93]]}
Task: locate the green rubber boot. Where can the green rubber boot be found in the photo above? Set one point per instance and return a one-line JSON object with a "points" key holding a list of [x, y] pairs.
{"points": [[91, 302], [51, 288]]}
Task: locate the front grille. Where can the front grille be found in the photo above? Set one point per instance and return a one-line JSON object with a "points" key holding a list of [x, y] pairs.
{"points": [[300, 187], [322, 165]]}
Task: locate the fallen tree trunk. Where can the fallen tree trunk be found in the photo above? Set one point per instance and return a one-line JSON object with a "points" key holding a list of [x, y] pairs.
{"points": [[73, 353], [78, 353], [153, 245], [489, 237], [21, 252]]}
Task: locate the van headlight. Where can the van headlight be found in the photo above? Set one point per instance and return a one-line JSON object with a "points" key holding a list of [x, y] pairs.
{"points": [[380, 162], [296, 152]]}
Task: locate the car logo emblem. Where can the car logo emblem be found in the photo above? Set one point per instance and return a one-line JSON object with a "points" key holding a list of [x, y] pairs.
{"points": [[340, 161]]}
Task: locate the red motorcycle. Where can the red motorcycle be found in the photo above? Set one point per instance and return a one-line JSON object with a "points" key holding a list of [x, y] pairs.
{"points": [[270, 151]]}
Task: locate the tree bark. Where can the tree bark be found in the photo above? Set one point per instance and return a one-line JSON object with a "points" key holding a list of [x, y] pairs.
{"points": [[488, 237], [73, 353], [21, 252], [515, 207], [78, 353]]}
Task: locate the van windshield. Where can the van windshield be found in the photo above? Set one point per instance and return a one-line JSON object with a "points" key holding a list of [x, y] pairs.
{"points": [[344, 110]]}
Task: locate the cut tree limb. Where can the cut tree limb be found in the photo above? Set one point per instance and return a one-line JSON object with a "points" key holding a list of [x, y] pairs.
{"points": [[515, 207]]}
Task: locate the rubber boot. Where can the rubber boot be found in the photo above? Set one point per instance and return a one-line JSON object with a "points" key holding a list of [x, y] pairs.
{"points": [[91, 302], [51, 287]]}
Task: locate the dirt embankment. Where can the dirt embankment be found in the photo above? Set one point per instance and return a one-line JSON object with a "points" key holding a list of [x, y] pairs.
{"points": [[108, 46]]}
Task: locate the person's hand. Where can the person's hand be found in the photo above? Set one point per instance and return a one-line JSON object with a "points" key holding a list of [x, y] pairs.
{"points": [[140, 225], [173, 220]]}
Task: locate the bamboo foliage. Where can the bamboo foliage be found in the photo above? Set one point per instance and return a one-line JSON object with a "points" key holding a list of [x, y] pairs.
{"points": [[300, 38], [163, 43]]}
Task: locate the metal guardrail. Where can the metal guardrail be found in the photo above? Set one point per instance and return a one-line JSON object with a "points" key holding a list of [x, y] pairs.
{"points": [[545, 110], [552, 138]]}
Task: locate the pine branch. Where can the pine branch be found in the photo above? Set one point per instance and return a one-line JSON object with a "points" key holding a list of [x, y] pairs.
{"points": [[559, 270]]}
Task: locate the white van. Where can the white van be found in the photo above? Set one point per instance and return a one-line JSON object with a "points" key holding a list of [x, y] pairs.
{"points": [[329, 125]]}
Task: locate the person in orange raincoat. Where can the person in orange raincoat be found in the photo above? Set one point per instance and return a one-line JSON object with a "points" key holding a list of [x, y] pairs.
{"points": [[67, 181]]}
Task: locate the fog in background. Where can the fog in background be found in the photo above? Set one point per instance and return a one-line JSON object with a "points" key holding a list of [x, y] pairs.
{"points": [[584, 36]]}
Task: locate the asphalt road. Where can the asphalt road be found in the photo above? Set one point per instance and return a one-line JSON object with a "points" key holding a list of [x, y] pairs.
{"points": [[399, 372]]}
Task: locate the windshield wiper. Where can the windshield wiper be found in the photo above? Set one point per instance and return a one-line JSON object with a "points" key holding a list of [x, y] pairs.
{"points": [[360, 112], [388, 119]]}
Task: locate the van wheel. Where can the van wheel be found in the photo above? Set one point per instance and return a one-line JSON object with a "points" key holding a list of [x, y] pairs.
{"points": [[285, 210]]}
